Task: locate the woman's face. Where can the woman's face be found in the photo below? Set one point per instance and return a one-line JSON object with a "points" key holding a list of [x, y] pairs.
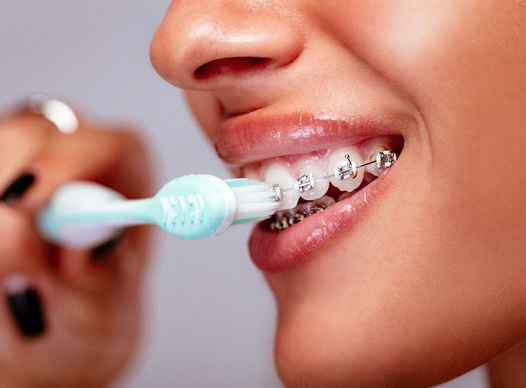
{"points": [[419, 276]]}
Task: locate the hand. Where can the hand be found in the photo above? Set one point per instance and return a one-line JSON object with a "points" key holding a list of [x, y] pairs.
{"points": [[69, 318]]}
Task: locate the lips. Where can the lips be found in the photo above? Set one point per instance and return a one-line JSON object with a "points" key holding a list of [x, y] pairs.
{"points": [[241, 140], [244, 139]]}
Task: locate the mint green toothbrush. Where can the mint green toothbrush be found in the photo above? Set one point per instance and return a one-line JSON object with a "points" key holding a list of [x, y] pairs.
{"points": [[85, 214]]}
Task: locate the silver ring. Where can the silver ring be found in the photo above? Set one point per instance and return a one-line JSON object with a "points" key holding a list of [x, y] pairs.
{"points": [[58, 112]]}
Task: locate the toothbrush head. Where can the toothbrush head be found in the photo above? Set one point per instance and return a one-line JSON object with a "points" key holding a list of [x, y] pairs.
{"points": [[195, 206], [198, 206]]}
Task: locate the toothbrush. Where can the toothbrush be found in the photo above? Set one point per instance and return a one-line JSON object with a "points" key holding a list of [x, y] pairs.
{"points": [[82, 215]]}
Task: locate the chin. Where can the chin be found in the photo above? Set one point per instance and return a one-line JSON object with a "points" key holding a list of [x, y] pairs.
{"points": [[309, 354], [350, 326]]}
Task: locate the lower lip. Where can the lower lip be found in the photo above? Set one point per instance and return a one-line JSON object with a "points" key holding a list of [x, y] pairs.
{"points": [[278, 251]]}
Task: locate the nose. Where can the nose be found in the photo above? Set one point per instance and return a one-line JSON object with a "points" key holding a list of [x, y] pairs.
{"points": [[207, 44]]}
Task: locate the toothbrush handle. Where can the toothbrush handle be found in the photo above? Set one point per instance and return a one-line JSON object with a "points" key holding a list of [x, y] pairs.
{"points": [[84, 214]]}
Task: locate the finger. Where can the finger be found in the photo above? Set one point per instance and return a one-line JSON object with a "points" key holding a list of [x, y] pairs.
{"points": [[20, 139], [24, 263], [24, 327], [112, 155], [114, 158], [108, 266], [50, 341]]}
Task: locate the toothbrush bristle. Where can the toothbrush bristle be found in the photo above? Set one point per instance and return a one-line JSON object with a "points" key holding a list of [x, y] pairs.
{"points": [[256, 201]]}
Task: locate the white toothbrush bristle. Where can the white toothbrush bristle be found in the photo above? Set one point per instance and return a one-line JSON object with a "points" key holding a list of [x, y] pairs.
{"points": [[255, 201]]}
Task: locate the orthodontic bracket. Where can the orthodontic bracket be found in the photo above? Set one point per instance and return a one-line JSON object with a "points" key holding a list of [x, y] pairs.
{"points": [[385, 159], [346, 170], [305, 183], [278, 193]]}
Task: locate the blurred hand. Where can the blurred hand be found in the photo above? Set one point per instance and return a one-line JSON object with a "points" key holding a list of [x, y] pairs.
{"points": [[69, 318]]}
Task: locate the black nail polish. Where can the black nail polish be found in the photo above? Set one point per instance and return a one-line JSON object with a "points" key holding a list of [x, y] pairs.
{"points": [[26, 308], [17, 189], [104, 250]]}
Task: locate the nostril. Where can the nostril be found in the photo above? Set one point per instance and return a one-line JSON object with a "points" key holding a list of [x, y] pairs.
{"points": [[231, 66]]}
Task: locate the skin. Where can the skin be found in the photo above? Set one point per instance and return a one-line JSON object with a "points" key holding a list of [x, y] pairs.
{"points": [[440, 289], [87, 304]]}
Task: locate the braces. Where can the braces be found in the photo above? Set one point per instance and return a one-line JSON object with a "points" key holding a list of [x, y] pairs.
{"points": [[293, 218], [346, 170]]}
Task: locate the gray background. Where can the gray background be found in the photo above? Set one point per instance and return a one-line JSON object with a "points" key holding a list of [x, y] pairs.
{"points": [[210, 316]]}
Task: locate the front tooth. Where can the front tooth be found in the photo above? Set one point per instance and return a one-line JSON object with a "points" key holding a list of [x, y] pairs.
{"points": [[337, 157], [279, 174], [319, 188]]}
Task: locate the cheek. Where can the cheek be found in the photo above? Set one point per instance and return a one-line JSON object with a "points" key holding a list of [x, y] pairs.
{"points": [[462, 65], [452, 59], [457, 61], [399, 38], [413, 37]]}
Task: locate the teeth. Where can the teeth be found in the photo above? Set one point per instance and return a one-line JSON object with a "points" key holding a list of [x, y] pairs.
{"points": [[346, 169], [278, 173], [309, 176], [314, 190], [337, 158]]}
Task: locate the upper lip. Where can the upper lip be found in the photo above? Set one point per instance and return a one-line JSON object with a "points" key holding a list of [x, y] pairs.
{"points": [[248, 138]]}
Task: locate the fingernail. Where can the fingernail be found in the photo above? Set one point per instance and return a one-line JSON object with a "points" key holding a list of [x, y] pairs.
{"points": [[103, 251], [26, 307], [18, 188]]}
